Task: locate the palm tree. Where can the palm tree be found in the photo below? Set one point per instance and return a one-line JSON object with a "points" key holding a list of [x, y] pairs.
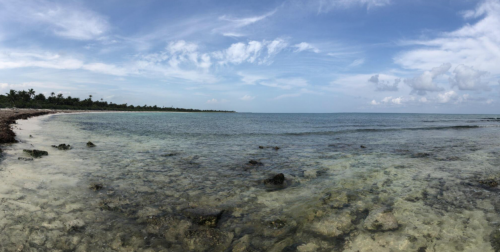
{"points": [[31, 93], [11, 95]]}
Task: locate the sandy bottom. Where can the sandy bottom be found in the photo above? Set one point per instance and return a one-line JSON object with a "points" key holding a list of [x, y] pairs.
{"points": [[162, 196]]}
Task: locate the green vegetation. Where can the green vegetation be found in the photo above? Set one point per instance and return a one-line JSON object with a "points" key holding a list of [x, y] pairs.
{"points": [[29, 99]]}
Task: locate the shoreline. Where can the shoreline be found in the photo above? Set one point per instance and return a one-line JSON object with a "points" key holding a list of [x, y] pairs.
{"points": [[9, 116]]}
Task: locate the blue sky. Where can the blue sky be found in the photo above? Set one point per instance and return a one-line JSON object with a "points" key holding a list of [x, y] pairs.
{"points": [[433, 56]]}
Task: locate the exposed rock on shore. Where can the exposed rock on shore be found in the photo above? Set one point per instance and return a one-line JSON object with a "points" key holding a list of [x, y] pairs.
{"points": [[62, 147], [36, 153], [90, 144]]}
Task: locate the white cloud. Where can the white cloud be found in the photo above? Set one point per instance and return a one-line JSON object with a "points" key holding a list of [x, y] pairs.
{"points": [[374, 102], [105, 69], [251, 52], [239, 52], [251, 79], [181, 47], [447, 96], [233, 34], [305, 46], [65, 20], [328, 5], [357, 62], [383, 85], [286, 83], [476, 44], [247, 98], [425, 82], [467, 78], [240, 22], [215, 101], [297, 94]]}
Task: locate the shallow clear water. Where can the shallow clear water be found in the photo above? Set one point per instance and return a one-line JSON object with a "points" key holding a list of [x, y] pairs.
{"points": [[418, 177]]}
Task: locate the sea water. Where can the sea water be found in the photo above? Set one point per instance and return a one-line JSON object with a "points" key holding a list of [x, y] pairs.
{"points": [[427, 180]]}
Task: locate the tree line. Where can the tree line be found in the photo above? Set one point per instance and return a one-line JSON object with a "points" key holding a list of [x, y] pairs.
{"points": [[30, 99]]}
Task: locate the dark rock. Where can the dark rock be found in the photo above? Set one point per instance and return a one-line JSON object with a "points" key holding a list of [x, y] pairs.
{"points": [[489, 182], [420, 155], [276, 224], [261, 147], [169, 154], [36, 153], [31, 136], [204, 216], [278, 179], [96, 186], [90, 144], [363, 147], [25, 159], [254, 162], [62, 147], [276, 148]]}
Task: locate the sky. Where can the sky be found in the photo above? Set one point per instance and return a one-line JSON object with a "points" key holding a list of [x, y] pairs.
{"points": [[307, 56]]}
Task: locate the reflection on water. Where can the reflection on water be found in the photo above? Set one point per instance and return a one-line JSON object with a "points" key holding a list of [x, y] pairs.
{"points": [[183, 182]]}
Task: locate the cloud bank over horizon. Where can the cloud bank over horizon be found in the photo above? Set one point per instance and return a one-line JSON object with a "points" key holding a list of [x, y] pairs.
{"points": [[280, 56]]}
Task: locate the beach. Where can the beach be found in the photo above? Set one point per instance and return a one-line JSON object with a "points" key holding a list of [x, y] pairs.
{"points": [[243, 182]]}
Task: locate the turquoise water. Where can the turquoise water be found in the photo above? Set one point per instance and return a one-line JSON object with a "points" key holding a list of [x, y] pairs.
{"points": [[418, 176]]}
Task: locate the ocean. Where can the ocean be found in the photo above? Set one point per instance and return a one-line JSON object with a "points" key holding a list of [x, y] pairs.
{"points": [[212, 182]]}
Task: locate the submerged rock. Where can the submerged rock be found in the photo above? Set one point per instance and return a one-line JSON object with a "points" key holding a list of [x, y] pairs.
{"points": [[381, 219], [36, 153], [90, 144], [204, 216], [96, 186], [363, 147], [254, 162], [25, 159], [62, 147], [277, 179]]}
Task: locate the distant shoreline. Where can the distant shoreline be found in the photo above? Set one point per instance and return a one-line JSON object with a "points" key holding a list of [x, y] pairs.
{"points": [[9, 116]]}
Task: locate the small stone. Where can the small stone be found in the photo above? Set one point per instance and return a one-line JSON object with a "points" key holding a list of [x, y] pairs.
{"points": [[254, 162], [62, 147], [90, 144], [310, 247], [96, 186], [278, 179], [208, 240], [24, 159], [381, 219], [363, 147], [276, 224], [36, 153], [421, 155], [261, 147], [276, 148]]}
